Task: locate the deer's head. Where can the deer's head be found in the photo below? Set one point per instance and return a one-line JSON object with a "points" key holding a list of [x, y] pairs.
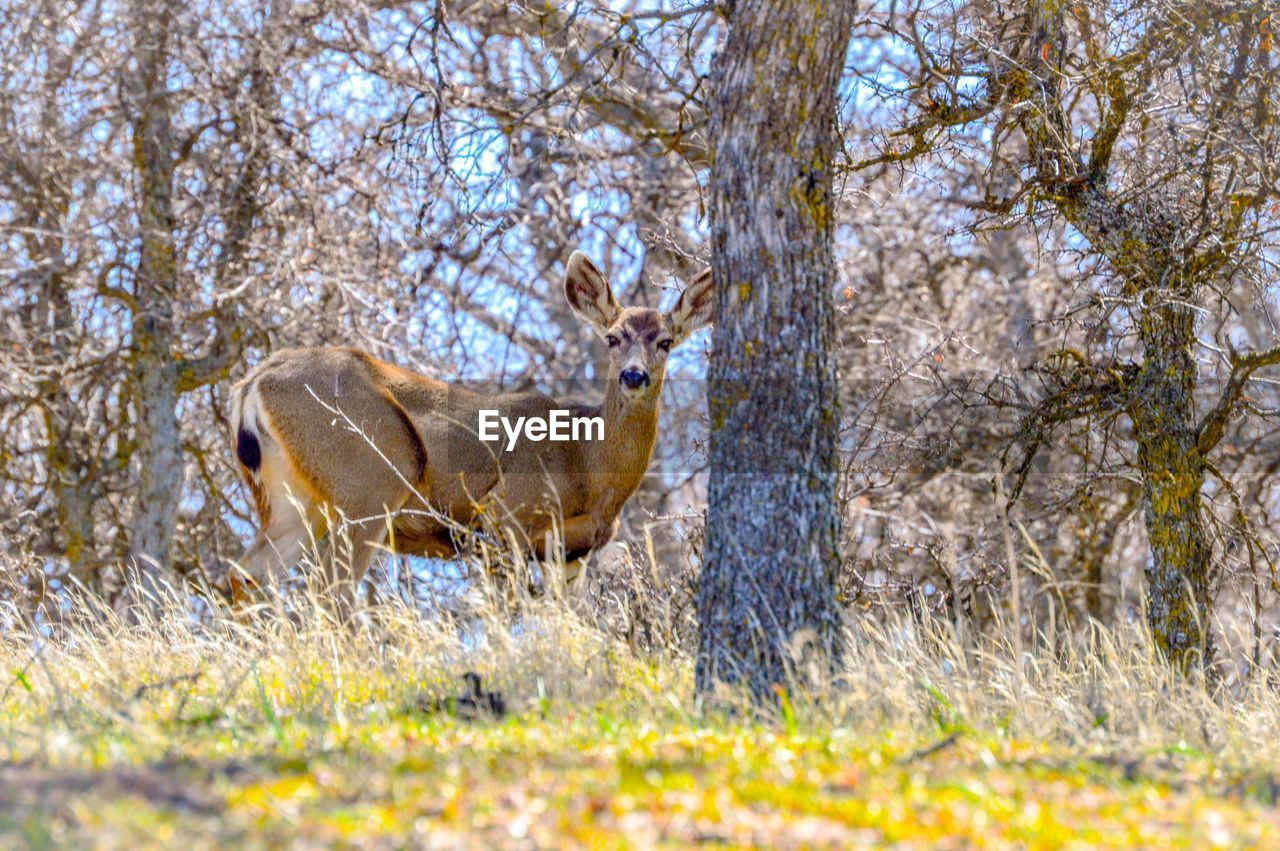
{"points": [[639, 338]]}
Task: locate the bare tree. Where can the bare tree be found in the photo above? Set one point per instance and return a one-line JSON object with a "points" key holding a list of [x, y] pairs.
{"points": [[1151, 134]]}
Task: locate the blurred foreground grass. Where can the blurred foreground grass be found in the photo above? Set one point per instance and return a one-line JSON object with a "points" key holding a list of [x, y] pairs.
{"points": [[177, 733]]}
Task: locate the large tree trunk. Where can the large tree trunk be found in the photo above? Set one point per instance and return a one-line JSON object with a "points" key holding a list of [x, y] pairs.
{"points": [[767, 591], [1172, 469], [158, 452]]}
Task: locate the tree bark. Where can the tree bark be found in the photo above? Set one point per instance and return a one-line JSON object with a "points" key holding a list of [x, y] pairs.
{"points": [[1172, 470], [767, 600]]}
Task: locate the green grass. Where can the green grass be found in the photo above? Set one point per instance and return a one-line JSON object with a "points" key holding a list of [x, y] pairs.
{"points": [[169, 734]]}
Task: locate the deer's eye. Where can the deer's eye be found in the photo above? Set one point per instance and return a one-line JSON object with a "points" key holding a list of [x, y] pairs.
{"points": [[612, 341], [666, 345]]}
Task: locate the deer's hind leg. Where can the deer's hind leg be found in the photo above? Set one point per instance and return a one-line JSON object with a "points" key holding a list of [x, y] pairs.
{"points": [[290, 522], [335, 434], [268, 558], [353, 542]]}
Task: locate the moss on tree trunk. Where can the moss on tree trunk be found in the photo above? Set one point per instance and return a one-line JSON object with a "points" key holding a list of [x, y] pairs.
{"points": [[1172, 469]]}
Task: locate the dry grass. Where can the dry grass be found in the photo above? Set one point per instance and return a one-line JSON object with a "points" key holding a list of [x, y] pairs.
{"points": [[297, 731]]}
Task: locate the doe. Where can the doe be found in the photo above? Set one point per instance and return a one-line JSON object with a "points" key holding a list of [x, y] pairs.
{"points": [[333, 432]]}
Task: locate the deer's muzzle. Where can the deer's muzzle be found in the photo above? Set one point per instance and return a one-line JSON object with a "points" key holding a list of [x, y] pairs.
{"points": [[634, 379]]}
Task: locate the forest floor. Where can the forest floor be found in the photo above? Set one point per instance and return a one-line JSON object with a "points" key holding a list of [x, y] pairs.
{"points": [[194, 736]]}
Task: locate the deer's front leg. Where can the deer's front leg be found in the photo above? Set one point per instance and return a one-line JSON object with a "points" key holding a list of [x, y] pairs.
{"points": [[584, 535]]}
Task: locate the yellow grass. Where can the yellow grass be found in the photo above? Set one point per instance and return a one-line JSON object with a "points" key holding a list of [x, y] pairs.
{"points": [[183, 733]]}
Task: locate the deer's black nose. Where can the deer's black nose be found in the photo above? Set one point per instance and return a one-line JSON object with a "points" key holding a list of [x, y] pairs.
{"points": [[634, 379]]}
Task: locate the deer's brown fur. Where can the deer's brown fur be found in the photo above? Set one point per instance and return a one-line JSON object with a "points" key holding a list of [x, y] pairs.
{"points": [[326, 432]]}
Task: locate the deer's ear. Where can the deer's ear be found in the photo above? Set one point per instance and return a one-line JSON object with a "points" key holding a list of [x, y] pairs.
{"points": [[694, 309], [589, 293]]}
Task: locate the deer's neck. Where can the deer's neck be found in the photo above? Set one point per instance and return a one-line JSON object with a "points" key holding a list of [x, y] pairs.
{"points": [[621, 459]]}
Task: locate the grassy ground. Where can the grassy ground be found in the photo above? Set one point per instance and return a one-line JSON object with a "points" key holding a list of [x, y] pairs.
{"points": [[175, 734]]}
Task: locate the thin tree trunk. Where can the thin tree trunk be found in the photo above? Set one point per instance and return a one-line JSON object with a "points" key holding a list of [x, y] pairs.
{"points": [[160, 374], [66, 468], [767, 600], [1172, 470], [1140, 241], [66, 463], [158, 452]]}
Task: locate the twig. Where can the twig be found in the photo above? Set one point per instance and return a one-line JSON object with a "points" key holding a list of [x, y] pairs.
{"points": [[934, 748], [167, 683]]}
